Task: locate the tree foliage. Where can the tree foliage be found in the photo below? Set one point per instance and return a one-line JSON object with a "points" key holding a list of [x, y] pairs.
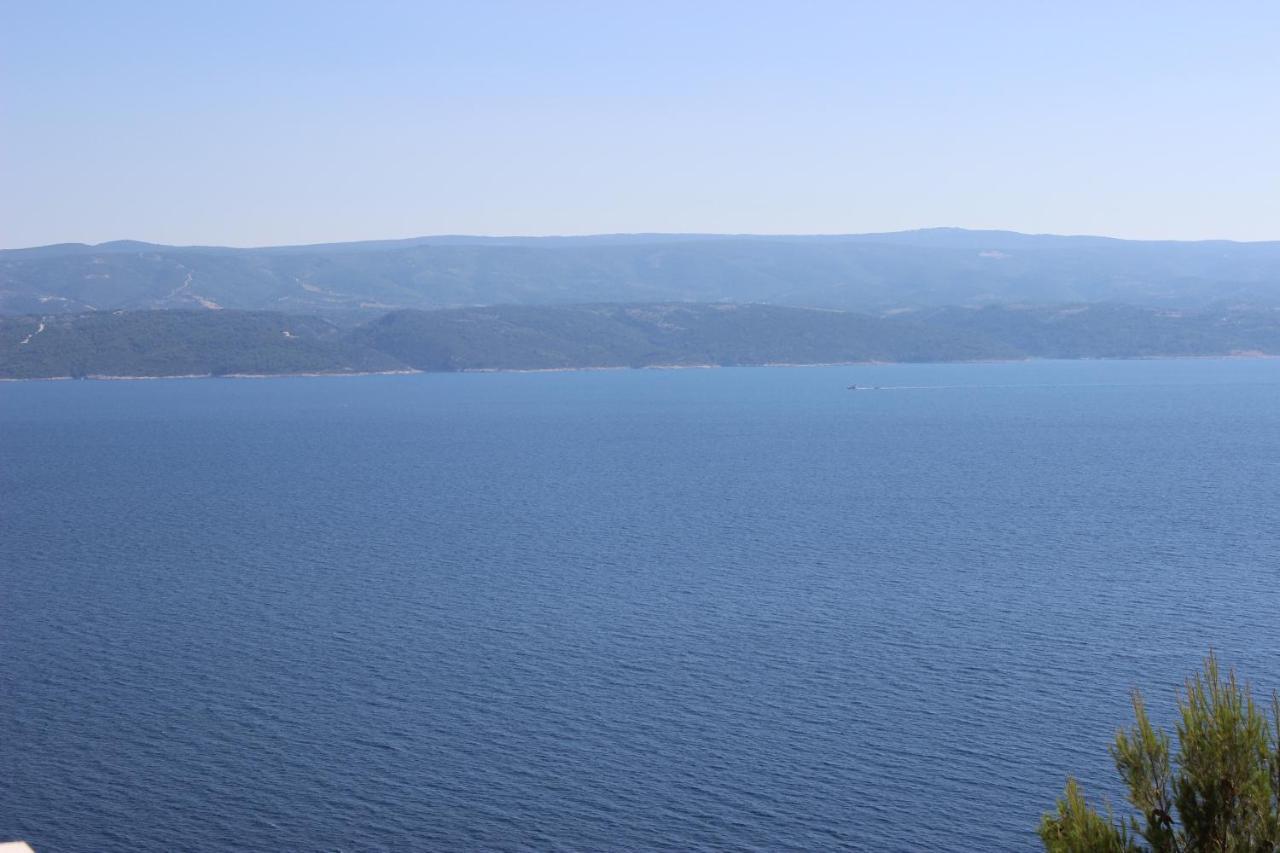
{"points": [[1220, 792]]}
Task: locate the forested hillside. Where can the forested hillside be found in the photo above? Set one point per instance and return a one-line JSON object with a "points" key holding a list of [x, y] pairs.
{"points": [[870, 273], [521, 337]]}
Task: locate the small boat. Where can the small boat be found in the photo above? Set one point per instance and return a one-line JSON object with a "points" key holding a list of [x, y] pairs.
{"points": [[852, 388]]}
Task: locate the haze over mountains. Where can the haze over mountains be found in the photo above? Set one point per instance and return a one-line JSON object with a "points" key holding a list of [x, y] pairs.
{"points": [[479, 303], [532, 337], [872, 273]]}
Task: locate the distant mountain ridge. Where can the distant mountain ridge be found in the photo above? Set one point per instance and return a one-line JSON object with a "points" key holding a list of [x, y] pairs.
{"points": [[874, 273], [540, 337]]}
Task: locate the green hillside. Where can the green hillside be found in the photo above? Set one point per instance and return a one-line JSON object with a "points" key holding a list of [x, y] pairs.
{"points": [[527, 337], [522, 337], [869, 273], [178, 343]]}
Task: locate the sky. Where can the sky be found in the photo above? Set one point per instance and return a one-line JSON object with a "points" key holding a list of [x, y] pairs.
{"points": [[267, 123]]}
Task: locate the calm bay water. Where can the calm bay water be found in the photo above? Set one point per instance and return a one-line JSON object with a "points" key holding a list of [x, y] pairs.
{"points": [[729, 609]]}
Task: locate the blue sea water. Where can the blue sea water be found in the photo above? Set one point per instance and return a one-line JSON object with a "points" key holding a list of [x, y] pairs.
{"points": [[739, 609]]}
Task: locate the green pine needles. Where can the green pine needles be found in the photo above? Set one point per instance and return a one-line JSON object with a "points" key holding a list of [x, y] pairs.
{"points": [[1220, 792]]}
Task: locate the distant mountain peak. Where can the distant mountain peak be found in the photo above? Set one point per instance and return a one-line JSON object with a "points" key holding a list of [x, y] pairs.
{"points": [[862, 272]]}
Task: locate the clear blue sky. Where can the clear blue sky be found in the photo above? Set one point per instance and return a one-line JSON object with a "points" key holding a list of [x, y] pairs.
{"points": [[277, 122]]}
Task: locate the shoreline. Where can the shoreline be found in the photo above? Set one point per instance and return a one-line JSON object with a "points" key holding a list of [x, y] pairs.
{"points": [[100, 377], [106, 377]]}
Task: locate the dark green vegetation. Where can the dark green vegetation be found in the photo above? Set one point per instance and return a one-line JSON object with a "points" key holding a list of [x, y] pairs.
{"points": [[871, 272], [1220, 792], [1113, 331], [533, 337], [176, 343]]}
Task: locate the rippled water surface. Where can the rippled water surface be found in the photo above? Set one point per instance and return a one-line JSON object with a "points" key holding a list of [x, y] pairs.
{"points": [[729, 609]]}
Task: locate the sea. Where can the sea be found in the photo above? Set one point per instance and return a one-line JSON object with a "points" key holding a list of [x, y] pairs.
{"points": [[685, 610]]}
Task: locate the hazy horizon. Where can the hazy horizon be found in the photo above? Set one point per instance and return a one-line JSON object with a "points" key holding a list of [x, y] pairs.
{"points": [[290, 123], [607, 234]]}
